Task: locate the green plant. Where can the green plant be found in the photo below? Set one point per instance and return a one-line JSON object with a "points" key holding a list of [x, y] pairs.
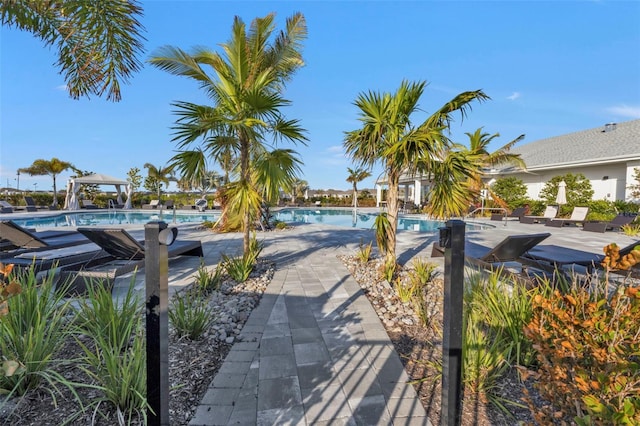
{"points": [[364, 252], [388, 270], [383, 229], [422, 271], [239, 268], [631, 229], [588, 350], [206, 280], [190, 315], [405, 291], [32, 330], [115, 355]]}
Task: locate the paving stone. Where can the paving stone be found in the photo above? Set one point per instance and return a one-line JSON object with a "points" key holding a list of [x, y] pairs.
{"points": [[276, 346], [220, 396], [370, 410], [233, 367], [279, 393], [310, 353], [313, 375], [272, 367], [208, 415], [306, 335], [282, 416], [228, 380], [359, 383], [324, 403]]}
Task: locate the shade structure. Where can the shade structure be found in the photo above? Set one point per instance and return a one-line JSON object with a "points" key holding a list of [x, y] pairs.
{"points": [[561, 198], [73, 186]]}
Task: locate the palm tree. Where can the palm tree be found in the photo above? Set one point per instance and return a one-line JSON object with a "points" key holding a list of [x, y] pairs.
{"points": [[159, 175], [246, 90], [52, 168], [478, 146], [97, 41], [355, 176], [388, 136], [300, 186]]}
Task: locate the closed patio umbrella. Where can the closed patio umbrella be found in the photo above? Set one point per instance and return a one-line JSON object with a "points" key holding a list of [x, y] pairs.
{"points": [[561, 198]]}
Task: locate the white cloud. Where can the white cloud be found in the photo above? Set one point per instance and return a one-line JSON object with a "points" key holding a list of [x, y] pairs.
{"points": [[625, 111], [62, 87], [514, 96], [335, 149]]}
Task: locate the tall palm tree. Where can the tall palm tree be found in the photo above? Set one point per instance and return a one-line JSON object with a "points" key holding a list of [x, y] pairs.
{"points": [[388, 136], [479, 146], [159, 175], [300, 186], [355, 176], [52, 168], [245, 88], [97, 41]]}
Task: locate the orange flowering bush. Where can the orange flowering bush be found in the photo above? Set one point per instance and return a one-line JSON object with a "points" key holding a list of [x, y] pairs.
{"points": [[588, 350], [8, 287]]}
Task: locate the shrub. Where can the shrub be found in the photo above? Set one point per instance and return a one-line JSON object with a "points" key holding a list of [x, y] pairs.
{"points": [[115, 357], [190, 315], [422, 271], [239, 268], [631, 229], [364, 252], [579, 190], [510, 189], [207, 281], [406, 292], [588, 350], [388, 270], [32, 330]]}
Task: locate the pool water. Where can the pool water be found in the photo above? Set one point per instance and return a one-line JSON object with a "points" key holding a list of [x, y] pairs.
{"points": [[346, 218], [113, 218]]}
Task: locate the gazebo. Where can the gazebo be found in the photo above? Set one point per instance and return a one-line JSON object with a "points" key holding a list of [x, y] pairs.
{"points": [[73, 186]]}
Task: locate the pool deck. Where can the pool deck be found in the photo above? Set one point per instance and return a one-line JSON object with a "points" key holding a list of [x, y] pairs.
{"points": [[314, 351]]}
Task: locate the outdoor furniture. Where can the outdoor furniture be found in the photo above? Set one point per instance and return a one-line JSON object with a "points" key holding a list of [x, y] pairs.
{"points": [[124, 254], [201, 205], [153, 204], [5, 207], [88, 204], [615, 223], [496, 259], [578, 215], [50, 259], [22, 238], [169, 204], [549, 213], [31, 204], [557, 257]]}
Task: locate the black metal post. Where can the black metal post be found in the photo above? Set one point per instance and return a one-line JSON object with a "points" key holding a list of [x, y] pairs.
{"points": [[157, 295], [452, 239]]}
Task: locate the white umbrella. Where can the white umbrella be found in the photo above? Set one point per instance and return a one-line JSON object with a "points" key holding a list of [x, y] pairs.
{"points": [[561, 198]]}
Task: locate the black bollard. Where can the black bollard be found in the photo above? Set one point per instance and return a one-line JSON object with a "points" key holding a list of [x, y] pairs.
{"points": [[452, 240], [157, 299]]}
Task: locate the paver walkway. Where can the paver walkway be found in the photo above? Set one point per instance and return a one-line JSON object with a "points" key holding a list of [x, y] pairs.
{"points": [[314, 351]]}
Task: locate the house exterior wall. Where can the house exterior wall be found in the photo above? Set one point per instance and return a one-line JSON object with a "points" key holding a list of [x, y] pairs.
{"points": [[608, 181]]}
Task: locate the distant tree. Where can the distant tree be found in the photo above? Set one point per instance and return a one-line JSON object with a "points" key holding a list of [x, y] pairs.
{"points": [[97, 41], [134, 178], [299, 187], [157, 176], [88, 190], [355, 176], [479, 147], [579, 190], [635, 187], [52, 168], [510, 189]]}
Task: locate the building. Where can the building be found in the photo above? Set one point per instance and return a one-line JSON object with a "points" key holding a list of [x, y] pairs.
{"points": [[606, 155]]}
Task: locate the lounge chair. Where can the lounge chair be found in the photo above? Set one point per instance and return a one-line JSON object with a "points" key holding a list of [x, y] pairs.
{"points": [[31, 204], [5, 207], [558, 257], [125, 254], [15, 236], [201, 205], [154, 204], [511, 249], [88, 204], [52, 258], [615, 223], [578, 215], [549, 213], [517, 213], [169, 204]]}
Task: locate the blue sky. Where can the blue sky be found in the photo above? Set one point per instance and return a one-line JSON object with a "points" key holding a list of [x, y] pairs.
{"points": [[551, 68]]}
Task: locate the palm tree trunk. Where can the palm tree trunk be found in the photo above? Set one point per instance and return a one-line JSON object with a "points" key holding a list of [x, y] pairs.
{"points": [[55, 193], [392, 214], [245, 176], [355, 196]]}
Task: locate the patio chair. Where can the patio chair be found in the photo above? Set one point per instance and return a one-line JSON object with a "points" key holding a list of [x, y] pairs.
{"points": [[88, 204], [50, 259], [5, 207], [31, 204], [125, 254], [615, 223], [15, 237], [497, 258], [578, 215], [169, 204], [201, 205], [153, 204], [549, 213], [558, 257]]}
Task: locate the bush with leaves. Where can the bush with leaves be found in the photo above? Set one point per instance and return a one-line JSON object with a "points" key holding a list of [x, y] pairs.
{"points": [[207, 281], [190, 315], [588, 346], [579, 191], [512, 190]]}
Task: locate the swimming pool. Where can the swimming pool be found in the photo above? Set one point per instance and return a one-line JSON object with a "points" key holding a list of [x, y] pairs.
{"points": [[346, 218], [112, 218]]}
